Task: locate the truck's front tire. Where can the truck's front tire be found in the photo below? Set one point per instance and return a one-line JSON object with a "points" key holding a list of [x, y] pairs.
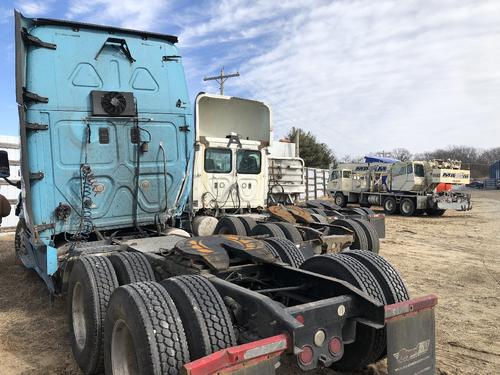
{"points": [[340, 199], [91, 283]]}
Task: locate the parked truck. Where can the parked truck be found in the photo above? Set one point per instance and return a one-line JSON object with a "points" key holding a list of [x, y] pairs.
{"points": [[107, 161], [408, 187]]}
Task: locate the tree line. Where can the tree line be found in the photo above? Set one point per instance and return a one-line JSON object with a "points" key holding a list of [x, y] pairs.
{"points": [[318, 155]]}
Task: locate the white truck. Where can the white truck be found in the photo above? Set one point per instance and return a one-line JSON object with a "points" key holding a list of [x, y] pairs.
{"points": [[410, 187]]}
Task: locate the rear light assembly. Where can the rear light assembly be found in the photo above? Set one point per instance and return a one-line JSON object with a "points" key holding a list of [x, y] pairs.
{"points": [[306, 355], [335, 346]]}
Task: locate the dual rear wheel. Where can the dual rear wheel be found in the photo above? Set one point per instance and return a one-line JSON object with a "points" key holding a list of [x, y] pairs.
{"points": [[114, 304]]}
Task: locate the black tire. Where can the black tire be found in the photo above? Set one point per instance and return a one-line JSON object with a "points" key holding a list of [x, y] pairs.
{"points": [[206, 320], [287, 251], [370, 343], [230, 225], [407, 207], [319, 218], [91, 282], [19, 246], [153, 334], [340, 199], [271, 229], [371, 235], [131, 267], [389, 279], [360, 239], [359, 210], [368, 211], [248, 223], [390, 206], [291, 233], [435, 212]]}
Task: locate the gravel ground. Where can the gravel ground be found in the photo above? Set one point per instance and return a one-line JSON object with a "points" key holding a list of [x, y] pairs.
{"points": [[455, 256]]}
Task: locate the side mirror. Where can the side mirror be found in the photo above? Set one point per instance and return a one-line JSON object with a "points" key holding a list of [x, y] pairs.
{"points": [[4, 164]]}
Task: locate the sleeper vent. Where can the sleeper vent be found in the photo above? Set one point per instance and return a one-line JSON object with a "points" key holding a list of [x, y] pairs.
{"points": [[113, 103]]}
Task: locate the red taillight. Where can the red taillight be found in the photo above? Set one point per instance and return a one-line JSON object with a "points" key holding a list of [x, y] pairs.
{"points": [[335, 346], [306, 355], [300, 319]]}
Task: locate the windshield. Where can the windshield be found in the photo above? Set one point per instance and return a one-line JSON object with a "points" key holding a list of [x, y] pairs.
{"points": [[248, 162], [218, 160]]}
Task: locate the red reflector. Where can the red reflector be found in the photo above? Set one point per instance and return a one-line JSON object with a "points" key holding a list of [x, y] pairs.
{"points": [[300, 318], [335, 346], [306, 356]]}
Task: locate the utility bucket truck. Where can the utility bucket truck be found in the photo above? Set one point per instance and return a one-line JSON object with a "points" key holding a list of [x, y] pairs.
{"points": [[409, 187], [107, 147]]}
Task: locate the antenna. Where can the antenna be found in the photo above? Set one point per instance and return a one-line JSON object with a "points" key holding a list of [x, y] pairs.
{"points": [[221, 79]]}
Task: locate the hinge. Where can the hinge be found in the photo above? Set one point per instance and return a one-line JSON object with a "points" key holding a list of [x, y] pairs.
{"points": [[32, 97], [184, 128], [30, 39], [171, 58], [35, 126], [36, 176]]}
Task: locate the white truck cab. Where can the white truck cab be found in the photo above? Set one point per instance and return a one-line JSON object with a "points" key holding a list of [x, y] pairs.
{"points": [[231, 165]]}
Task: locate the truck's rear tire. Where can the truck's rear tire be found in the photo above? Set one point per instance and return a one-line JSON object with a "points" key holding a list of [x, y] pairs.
{"points": [[287, 251], [205, 318], [368, 210], [291, 233], [91, 282], [387, 276], [270, 229], [249, 223], [340, 199], [319, 218], [144, 333], [371, 235], [131, 267], [435, 212], [390, 206], [360, 239], [230, 225], [370, 343], [407, 207]]}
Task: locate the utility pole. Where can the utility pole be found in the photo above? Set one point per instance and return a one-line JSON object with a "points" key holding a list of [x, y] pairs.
{"points": [[221, 79]]}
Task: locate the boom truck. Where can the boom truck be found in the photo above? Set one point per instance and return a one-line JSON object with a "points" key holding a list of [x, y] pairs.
{"points": [[408, 187], [107, 147]]}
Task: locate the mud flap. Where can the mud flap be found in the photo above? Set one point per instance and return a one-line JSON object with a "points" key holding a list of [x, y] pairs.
{"points": [[254, 358], [411, 345]]}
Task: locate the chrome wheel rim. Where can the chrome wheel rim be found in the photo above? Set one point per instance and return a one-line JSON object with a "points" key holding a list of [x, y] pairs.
{"points": [[405, 207], [78, 315], [123, 354], [389, 205]]}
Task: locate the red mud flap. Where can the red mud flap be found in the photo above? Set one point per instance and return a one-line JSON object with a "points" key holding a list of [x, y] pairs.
{"points": [[255, 358], [411, 346]]}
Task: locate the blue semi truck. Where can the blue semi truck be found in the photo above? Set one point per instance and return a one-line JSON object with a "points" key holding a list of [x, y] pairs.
{"points": [[107, 147]]}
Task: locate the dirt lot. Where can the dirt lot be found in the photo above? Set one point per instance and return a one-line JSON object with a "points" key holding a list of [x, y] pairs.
{"points": [[455, 256]]}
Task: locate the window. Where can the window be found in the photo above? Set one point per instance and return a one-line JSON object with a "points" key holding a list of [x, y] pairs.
{"points": [[335, 175], [409, 169], [218, 160], [419, 170], [248, 162], [346, 174]]}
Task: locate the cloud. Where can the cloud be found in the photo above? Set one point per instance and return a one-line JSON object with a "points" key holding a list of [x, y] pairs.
{"points": [[34, 7], [144, 15], [361, 75]]}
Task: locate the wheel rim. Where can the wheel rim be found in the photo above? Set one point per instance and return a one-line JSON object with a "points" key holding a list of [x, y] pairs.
{"points": [[406, 207], [78, 315], [123, 354], [389, 205], [338, 200]]}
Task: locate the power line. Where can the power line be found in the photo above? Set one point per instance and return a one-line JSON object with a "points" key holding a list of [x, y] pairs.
{"points": [[220, 79]]}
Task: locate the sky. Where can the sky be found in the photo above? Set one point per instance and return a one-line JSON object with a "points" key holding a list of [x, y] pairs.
{"points": [[361, 75]]}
